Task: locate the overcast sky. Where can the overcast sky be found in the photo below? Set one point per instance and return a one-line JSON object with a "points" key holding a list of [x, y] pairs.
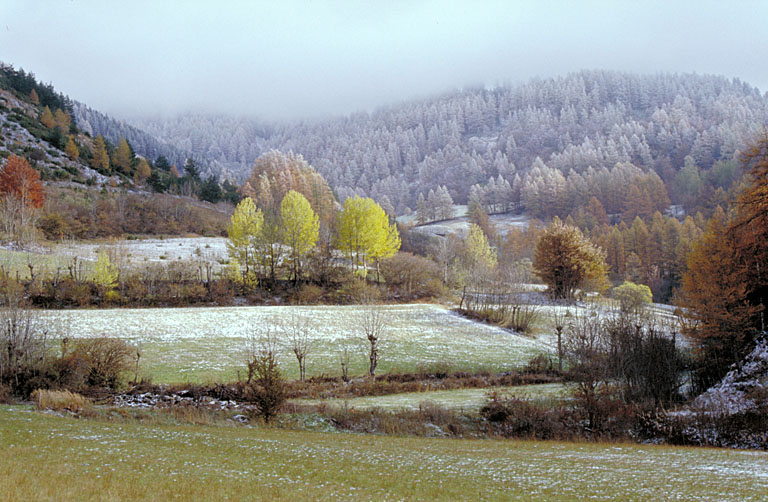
{"points": [[286, 59]]}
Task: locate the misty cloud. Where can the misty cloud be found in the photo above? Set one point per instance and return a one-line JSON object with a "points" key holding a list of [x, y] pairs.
{"points": [[310, 59]]}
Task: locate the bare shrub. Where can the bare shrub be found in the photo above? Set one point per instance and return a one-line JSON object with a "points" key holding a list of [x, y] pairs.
{"points": [[520, 315], [265, 387], [309, 294], [23, 340], [107, 359], [512, 416]]}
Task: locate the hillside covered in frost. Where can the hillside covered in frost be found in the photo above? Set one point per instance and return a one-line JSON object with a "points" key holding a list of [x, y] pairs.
{"points": [[533, 140]]}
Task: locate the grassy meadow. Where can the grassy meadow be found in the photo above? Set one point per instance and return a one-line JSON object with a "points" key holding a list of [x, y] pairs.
{"points": [[470, 400], [43, 457], [201, 345]]}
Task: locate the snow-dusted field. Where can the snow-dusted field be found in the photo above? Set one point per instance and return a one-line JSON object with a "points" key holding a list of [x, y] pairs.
{"points": [[199, 344], [464, 399], [143, 250], [134, 252], [51, 458]]}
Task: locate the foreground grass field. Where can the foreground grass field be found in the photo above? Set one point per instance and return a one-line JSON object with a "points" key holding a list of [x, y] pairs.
{"points": [[202, 345], [43, 457]]}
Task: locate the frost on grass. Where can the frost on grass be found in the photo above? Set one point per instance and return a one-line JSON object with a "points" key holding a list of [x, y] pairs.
{"points": [[204, 343]]}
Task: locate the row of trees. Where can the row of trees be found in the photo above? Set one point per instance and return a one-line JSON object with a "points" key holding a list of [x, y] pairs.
{"points": [[261, 241]]}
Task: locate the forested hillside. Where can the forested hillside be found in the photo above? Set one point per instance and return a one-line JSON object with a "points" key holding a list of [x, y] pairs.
{"points": [[549, 145], [94, 122]]}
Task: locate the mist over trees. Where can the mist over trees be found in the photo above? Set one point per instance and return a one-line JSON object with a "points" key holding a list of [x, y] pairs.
{"points": [[546, 147]]}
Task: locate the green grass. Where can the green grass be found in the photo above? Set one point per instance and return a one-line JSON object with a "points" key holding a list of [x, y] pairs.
{"points": [[43, 457], [460, 399], [207, 344]]}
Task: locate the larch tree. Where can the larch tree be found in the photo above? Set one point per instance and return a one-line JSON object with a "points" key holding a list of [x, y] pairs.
{"points": [[300, 226], [100, 159], [244, 227], [365, 233], [33, 97], [47, 118], [62, 120], [72, 151], [566, 261], [123, 156], [143, 171], [725, 287]]}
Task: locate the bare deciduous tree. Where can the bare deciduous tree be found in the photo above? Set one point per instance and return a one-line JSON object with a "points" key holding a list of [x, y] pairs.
{"points": [[297, 329], [23, 340], [372, 322], [560, 318]]}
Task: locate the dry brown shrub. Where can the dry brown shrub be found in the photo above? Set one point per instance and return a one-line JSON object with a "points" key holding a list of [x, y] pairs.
{"points": [[60, 400]]}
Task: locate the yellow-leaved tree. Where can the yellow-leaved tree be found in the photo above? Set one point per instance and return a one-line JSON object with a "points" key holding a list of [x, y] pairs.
{"points": [[300, 228], [143, 171], [105, 275], [100, 159], [123, 156], [71, 149], [62, 120], [365, 233], [243, 229], [479, 250], [47, 118]]}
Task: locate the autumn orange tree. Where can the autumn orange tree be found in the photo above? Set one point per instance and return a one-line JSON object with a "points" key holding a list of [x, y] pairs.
{"points": [[726, 284], [21, 193]]}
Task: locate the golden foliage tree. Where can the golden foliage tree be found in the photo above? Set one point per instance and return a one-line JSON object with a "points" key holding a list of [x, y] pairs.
{"points": [[243, 229], [47, 118], [725, 288], [123, 156], [274, 174], [72, 151], [62, 120], [566, 261], [365, 232], [143, 171], [300, 226], [100, 159], [33, 97]]}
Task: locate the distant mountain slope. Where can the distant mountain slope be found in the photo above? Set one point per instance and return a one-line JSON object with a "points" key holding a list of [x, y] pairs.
{"points": [[587, 119], [145, 144]]}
